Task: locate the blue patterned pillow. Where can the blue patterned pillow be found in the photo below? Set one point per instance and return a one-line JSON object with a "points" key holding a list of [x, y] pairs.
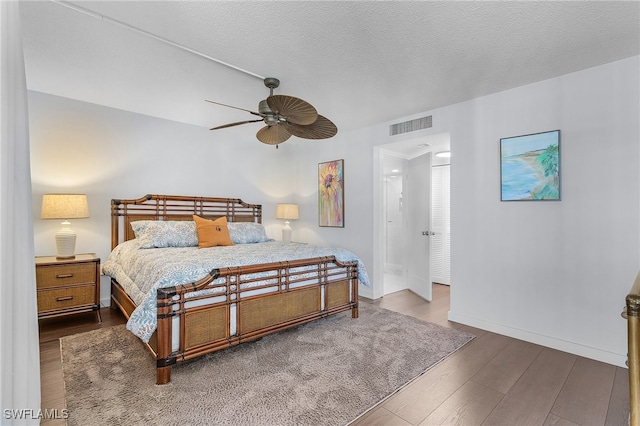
{"points": [[171, 233], [247, 232]]}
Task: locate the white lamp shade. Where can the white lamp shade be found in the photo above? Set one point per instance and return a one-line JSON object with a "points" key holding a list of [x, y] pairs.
{"points": [[287, 211], [64, 206]]}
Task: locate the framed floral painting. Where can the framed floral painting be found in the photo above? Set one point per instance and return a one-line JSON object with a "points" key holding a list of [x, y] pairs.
{"points": [[331, 193]]}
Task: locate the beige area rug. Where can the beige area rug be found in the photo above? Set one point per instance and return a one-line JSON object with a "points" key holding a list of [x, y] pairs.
{"points": [[327, 372]]}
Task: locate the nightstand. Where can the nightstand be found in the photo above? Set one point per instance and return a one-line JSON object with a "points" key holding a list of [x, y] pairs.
{"points": [[68, 286]]}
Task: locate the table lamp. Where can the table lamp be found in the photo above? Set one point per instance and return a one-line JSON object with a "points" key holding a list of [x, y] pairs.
{"points": [[65, 206], [287, 212]]}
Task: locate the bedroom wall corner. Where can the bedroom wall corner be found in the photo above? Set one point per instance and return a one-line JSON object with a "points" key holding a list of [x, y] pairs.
{"points": [[109, 153]]}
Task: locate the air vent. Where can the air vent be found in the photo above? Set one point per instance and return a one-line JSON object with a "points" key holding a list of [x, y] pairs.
{"points": [[410, 126]]}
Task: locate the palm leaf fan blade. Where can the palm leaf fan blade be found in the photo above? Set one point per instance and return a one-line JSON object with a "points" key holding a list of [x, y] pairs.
{"points": [[234, 107], [273, 135], [224, 126], [322, 128], [295, 110]]}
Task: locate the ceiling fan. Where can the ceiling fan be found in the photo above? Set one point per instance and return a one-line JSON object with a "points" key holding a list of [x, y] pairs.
{"points": [[285, 116]]}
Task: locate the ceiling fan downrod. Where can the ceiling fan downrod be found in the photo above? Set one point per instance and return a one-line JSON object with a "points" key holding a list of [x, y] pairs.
{"points": [[271, 83]]}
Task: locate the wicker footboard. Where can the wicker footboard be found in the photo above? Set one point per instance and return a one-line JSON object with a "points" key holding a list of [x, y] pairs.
{"points": [[296, 292]]}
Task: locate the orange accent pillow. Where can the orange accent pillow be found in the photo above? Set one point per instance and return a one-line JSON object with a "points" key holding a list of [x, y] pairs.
{"points": [[212, 233]]}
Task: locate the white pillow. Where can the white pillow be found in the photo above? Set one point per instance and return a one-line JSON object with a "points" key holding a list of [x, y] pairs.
{"points": [[170, 233], [247, 232]]}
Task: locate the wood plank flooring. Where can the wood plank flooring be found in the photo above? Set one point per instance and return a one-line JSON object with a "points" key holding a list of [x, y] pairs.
{"points": [[498, 380], [493, 380]]}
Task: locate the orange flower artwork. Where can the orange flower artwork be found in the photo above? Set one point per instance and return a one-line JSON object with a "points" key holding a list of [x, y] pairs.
{"points": [[331, 193]]}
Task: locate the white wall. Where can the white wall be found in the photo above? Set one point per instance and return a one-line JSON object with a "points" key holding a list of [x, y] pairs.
{"points": [[355, 148], [555, 273], [108, 153]]}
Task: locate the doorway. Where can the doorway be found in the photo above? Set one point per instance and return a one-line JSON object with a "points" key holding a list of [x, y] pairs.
{"points": [[401, 248], [394, 223]]}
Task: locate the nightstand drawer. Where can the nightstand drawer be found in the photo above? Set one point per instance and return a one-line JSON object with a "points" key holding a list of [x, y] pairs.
{"points": [[62, 275], [62, 298]]}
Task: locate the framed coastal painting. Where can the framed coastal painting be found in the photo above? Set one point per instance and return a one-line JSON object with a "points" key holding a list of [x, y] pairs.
{"points": [[530, 167], [331, 193]]}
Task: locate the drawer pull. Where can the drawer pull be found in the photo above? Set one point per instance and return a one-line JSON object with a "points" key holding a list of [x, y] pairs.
{"points": [[64, 275], [62, 299]]}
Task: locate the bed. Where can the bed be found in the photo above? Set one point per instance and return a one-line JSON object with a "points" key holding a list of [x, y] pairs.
{"points": [[185, 301]]}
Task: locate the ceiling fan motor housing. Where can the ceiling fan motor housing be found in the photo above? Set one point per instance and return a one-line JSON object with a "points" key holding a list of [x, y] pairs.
{"points": [[270, 118]]}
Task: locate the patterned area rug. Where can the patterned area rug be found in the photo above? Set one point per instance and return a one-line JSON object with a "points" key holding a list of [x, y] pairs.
{"points": [[328, 372]]}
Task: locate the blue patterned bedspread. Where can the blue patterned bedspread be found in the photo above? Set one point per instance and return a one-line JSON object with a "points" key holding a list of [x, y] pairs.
{"points": [[141, 271]]}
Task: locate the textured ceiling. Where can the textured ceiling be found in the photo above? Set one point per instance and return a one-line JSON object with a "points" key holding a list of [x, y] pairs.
{"points": [[358, 63]]}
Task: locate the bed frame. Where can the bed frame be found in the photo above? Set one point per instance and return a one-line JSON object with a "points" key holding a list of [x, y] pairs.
{"points": [[631, 313], [292, 299]]}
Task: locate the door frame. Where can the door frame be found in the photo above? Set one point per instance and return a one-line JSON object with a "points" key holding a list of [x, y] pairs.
{"points": [[437, 141], [379, 228]]}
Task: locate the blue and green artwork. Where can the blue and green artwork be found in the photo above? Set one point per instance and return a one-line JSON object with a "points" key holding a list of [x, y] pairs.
{"points": [[530, 167]]}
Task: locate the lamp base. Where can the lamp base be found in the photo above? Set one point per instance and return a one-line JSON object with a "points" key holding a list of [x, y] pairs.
{"points": [[73, 256], [286, 232], [65, 242]]}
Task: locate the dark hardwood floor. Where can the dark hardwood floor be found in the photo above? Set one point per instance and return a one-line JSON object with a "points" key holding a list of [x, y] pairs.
{"points": [[497, 380], [51, 330], [493, 380]]}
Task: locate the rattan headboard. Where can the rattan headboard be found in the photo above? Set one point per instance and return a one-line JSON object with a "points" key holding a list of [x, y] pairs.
{"points": [[176, 207]]}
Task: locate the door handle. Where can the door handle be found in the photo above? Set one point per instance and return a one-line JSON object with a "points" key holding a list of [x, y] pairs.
{"points": [[64, 275]]}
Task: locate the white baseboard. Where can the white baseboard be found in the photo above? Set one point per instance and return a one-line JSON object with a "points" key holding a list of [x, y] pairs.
{"points": [[539, 339], [365, 291]]}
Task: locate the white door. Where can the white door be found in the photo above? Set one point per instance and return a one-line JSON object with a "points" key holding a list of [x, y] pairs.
{"points": [[440, 225], [418, 187]]}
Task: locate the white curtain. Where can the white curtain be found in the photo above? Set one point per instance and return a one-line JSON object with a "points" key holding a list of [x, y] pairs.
{"points": [[19, 347]]}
